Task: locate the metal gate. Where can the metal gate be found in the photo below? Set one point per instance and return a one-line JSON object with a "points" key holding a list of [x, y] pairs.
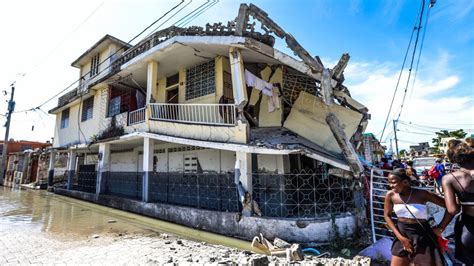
{"points": [[378, 188]]}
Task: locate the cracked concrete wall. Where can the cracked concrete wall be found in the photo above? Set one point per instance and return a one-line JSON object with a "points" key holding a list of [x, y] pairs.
{"points": [[318, 230], [308, 119], [232, 134]]}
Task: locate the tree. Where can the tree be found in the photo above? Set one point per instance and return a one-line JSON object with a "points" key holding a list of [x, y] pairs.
{"points": [[402, 153], [458, 134]]}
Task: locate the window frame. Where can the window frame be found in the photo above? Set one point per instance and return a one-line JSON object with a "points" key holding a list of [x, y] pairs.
{"points": [[64, 123], [87, 109], [94, 65]]}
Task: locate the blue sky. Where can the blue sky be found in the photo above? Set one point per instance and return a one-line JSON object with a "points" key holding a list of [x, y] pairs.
{"points": [[42, 41]]}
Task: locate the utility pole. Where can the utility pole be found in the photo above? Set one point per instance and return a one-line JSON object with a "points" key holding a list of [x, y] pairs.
{"points": [[396, 140], [11, 107]]}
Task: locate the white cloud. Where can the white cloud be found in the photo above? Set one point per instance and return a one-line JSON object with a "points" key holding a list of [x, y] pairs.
{"points": [[430, 103]]}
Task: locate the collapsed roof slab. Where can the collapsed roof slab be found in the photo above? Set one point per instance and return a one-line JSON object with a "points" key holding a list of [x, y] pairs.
{"points": [[308, 119]]}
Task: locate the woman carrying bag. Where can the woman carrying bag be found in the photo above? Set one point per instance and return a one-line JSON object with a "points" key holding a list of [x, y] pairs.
{"points": [[415, 240]]}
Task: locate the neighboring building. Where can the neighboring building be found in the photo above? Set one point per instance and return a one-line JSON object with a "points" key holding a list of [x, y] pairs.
{"points": [[171, 122], [422, 149], [443, 144], [371, 148], [27, 166]]}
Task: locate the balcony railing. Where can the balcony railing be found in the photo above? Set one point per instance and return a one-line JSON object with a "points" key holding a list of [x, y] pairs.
{"points": [[67, 97], [137, 116], [205, 114]]}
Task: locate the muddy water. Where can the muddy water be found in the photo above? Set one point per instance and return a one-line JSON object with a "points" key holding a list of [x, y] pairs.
{"points": [[69, 219]]}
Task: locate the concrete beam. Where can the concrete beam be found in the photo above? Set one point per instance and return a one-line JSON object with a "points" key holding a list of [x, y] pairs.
{"points": [[148, 144], [244, 164], [103, 166], [71, 167], [238, 78], [52, 160], [151, 79]]}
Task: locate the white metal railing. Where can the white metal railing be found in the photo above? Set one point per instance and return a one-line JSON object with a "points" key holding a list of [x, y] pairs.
{"points": [[137, 116], [206, 114]]}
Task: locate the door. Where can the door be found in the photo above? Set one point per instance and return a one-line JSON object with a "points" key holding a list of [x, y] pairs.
{"points": [[34, 170], [171, 111]]}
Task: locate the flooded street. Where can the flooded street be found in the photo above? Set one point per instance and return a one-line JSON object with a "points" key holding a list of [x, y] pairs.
{"points": [[38, 227], [41, 227]]}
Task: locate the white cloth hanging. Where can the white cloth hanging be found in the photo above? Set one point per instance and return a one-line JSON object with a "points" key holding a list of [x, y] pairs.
{"points": [[258, 83], [274, 101]]}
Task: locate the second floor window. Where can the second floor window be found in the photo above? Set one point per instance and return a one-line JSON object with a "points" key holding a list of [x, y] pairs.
{"points": [[65, 118], [114, 106], [200, 80], [94, 66], [87, 109]]}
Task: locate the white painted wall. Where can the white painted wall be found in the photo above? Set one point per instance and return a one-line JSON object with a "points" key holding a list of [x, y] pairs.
{"points": [[271, 163], [123, 162]]}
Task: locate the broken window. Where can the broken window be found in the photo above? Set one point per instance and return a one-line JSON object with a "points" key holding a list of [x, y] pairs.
{"points": [[200, 80], [94, 65], [121, 100], [65, 118], [87, 109]]}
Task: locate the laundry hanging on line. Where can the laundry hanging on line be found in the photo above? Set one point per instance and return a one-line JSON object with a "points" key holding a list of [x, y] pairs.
{"points": [[258, 83]]}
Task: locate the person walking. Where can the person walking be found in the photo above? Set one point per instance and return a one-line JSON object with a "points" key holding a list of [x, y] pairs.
{"points": [[415, 240], [461, 184]]}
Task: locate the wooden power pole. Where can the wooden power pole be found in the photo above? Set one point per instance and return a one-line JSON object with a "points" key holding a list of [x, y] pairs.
{"points": [[396, 140], [11, 107]]}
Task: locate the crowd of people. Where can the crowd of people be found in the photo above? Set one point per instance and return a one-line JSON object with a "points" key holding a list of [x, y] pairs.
{"points": [[416, 241]]}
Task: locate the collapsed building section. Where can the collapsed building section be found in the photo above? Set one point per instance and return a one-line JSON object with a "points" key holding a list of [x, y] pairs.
{"points": [[196, 125]]}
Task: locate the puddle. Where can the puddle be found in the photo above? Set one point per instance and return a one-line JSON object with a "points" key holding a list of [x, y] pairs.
{"points": [[70, 219]]}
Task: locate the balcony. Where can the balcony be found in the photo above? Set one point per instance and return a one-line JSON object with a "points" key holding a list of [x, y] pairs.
{"points": [[200, 114], [66, 98], [137, 116]]}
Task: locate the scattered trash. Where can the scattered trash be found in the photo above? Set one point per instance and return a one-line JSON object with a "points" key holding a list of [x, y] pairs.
{"points": [[311, 251], [95, 236], [346, 252], [111, 221]]}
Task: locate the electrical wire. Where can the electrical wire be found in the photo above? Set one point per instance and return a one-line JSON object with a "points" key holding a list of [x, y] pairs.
{"points": [[177, 23], [421, 49], [105, 60], [401, 72], [213, 3], [412, 59], [159, 26], [63, 40]]}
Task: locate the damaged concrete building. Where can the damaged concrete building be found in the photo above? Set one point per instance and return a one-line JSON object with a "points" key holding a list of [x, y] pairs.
{"points": [[181, 125]]}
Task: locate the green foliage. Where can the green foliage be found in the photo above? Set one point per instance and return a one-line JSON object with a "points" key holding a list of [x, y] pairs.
{"points": [[459, 134]]}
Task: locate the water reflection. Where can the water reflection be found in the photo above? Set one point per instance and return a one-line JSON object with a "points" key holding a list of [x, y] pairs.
{"points": [[42, 211], [69, 219]]}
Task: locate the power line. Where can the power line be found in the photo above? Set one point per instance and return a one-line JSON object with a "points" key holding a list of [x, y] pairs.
{"points": [[78, 80], [401, 72], [214, 2], [412, 58], [418, 133], [421, 49], [63, 40]]}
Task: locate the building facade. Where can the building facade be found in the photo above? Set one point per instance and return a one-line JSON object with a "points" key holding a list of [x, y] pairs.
{"points": [[181, 125]]}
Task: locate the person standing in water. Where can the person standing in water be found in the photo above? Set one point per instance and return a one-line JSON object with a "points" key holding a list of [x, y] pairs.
{"points": [[415, 240]]}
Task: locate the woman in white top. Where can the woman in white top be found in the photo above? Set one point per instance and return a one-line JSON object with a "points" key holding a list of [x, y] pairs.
{"points": [[415, 240]]}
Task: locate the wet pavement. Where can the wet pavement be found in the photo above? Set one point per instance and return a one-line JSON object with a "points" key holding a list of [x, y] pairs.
{"points": [[38, 227]]}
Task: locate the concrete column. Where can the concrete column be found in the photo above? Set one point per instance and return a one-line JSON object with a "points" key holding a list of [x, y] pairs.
{"points": [[71, 167], [244, 163], [151, 79], [102, 167], [238, 78], [52, 160], [148, 145]]}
